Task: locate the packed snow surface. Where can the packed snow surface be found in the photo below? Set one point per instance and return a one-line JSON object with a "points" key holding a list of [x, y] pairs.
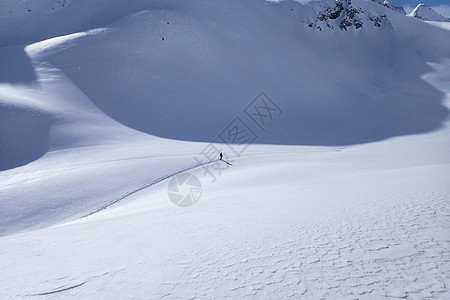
{"points": [[343, 192]]}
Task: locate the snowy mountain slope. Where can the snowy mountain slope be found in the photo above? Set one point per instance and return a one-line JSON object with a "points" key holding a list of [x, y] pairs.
{"points": [[393, 6], [206, 64], [345, 16], [290, 220], [31, 21], [426, 13], [334, 87], [442, 25]]}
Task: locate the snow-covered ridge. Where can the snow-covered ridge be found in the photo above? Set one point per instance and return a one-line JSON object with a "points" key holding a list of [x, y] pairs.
{"points": [[26, 22], [390, 5], [426, 13], [344, 15]]}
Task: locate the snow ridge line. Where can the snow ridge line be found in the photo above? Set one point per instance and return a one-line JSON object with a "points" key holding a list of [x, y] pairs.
{"points": [[147, 185]]}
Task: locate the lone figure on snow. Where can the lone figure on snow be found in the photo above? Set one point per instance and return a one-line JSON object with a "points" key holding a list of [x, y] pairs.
{"points": [[220, 155]]}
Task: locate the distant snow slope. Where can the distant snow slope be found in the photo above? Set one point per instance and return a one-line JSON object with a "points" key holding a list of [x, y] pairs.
{"points": [[442, 25], [214, 60], [344, 195], [24, 22], [426, 13], [391, 5]]}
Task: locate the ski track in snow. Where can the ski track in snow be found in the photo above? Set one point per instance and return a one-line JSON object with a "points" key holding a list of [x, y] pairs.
{"points": [[59, 290], [145, 186], [393, 247]]}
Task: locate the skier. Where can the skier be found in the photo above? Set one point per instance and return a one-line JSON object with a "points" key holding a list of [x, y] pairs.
{"points": [[220, 155]]}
